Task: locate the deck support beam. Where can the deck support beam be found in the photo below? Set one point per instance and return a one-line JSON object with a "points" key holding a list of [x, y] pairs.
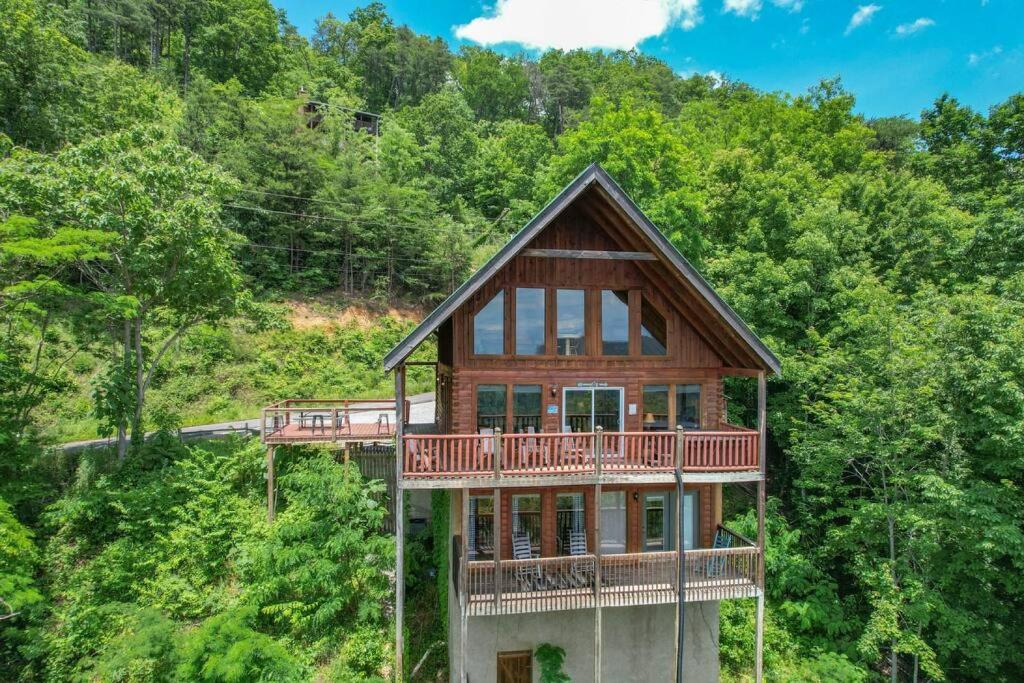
{"points": [[399, 526], [271, 503], [597, 448], [464, 588], [497, 549], [762, 418], [680, 555]]}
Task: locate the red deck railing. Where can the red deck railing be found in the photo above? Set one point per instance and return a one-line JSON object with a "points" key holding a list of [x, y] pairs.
{"points": [[546, 584], [466, 455]]}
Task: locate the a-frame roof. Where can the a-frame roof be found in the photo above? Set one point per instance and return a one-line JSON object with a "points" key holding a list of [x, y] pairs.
{"points": [[592, 177]]}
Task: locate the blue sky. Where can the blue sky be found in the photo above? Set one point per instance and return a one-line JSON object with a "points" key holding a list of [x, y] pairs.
{"points": [[896, 57]]}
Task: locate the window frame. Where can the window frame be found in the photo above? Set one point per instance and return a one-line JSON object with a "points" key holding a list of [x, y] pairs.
{"points": [[593, 333], [507, 317]]}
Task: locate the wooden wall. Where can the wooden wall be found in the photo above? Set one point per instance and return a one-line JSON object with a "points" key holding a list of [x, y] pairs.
{"points": [[709, 514], [689, 359]]}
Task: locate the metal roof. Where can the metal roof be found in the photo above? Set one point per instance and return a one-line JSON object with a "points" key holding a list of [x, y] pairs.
{"points": [[592, 175]]}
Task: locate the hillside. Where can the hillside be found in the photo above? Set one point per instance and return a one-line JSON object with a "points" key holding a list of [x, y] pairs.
{"points": [[302, 348]]}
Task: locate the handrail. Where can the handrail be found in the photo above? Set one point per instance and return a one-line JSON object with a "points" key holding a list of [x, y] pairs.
{"points": [[544, 453], [568, 582], [736, 535]]}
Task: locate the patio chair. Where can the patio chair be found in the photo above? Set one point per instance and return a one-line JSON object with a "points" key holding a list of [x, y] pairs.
{"points": [[716, 565], [528, 576], [581, 572]]}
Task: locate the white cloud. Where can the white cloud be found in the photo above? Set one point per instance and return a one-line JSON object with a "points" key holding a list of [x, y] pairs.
{"points": [[862, 16], [976, 58], [751, 8], [914, 27], [569, 24], [743, 8]]}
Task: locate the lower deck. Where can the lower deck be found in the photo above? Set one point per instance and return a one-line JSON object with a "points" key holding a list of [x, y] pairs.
{"points": [[625, 580]]}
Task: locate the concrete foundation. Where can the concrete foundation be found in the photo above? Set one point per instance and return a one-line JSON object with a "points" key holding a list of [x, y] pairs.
{"points": [[638, 643]]}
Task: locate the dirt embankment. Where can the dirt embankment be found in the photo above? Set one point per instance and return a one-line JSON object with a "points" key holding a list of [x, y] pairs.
{"points": [[308, 314]]}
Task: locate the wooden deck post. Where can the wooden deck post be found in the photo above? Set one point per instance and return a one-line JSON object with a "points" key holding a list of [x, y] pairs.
{"points": [[496, 452], [464, 588], [399, 525], [497, 535], [762, 431], [597, 449], [680, 449], [271, 503]]}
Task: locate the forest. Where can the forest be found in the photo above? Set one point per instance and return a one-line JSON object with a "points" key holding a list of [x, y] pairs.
{"points": [[178, 178]]}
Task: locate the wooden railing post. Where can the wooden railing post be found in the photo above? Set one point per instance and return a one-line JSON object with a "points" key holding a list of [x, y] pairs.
{"points": [[496, 450], [680, 447], [334, 424], [598, 448], [496, 533]]}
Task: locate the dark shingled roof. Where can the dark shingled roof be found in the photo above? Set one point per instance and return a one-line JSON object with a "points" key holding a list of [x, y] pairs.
{"points": [[592, 175]]}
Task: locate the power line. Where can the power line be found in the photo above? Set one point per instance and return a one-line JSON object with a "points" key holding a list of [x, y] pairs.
{"points": [[337, 202], [329, 252], [330, 202], [357, 221]]}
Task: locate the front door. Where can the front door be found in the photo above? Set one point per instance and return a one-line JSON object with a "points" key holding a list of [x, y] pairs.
{"points": [[585, 408]]}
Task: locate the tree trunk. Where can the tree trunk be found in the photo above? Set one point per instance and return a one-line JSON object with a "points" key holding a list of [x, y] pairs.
{"points": [[186, 55], [122, 421], [138, 435]]}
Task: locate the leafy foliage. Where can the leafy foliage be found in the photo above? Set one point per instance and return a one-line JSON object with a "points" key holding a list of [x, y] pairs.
{"points": [[161, 160]]}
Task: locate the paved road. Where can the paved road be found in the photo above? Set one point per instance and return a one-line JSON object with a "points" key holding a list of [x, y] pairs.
{"points": [[421, 410]]}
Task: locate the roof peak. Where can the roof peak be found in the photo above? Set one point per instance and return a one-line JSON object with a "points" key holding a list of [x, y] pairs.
{"points": [[569, 194]]}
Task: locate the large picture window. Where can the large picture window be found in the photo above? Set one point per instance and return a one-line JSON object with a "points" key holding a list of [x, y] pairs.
{"points": [[570, 307], [688, 405], [489, 327], [657, 521], [653, 331], [570, 526], [614, 322], [529, 321], [613, 522], [490, 406], [656, 408], [526, 521], [526, 408], [481, 528]]}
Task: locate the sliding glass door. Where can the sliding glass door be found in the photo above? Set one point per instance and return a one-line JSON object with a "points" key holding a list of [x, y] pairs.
{"points": [[585, 408]]}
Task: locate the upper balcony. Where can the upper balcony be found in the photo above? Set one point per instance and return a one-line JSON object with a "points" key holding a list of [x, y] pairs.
{"points": [[441, 460]]}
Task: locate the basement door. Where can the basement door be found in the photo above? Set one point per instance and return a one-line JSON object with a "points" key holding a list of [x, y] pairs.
{"points": [[585, 408], [515, 667]]}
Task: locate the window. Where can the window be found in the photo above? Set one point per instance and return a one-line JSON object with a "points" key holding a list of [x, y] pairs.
{"points": [[614, 322], [613, 522], [653, 332], [655, 407], [489, 327], [481, 528], [688, 405], [529, 322], [490, 406], [569, 304], [691, 518], [569, 522], [658, 516], [526, 404], [526, 521]]}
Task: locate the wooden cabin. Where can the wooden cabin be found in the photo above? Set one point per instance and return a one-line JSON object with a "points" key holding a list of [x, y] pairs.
{"points": [[581, 426]]}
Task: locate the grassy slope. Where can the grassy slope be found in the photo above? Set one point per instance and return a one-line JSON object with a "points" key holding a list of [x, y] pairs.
{"points": [[228, 372]]}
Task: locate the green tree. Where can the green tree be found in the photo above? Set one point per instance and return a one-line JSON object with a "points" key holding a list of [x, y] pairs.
{"points": [[171, 261]]}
